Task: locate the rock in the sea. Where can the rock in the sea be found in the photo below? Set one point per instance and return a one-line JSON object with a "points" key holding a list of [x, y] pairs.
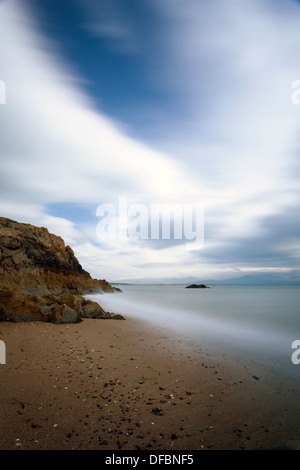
{"points": [[197, 286], [42, 280]]}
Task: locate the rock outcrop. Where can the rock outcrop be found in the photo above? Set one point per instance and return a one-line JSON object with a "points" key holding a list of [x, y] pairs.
{"points": [[197, 286], [41, 279], [38, 262]]}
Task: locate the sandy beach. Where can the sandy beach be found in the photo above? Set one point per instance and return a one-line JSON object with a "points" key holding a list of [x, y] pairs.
{"points": [[114, 385]]}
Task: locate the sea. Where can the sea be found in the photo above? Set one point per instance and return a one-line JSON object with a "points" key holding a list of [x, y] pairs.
{"points": [[258, 323]]}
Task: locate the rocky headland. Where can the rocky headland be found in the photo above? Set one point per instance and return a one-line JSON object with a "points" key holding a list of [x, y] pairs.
{"points": [[41, 279]]}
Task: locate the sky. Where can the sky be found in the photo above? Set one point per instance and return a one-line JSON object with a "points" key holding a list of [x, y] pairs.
{"points": [[188, 103]]}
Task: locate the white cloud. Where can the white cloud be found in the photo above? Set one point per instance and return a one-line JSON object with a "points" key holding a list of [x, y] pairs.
{"points": [[57, 148], [233, 66], [55, 145]]}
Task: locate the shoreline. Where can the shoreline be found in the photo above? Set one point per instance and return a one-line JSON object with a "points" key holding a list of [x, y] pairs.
{"points": [[124, 384]]}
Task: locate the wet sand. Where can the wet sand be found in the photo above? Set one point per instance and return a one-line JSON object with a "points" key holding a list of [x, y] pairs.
{"points": [[114, 385]]}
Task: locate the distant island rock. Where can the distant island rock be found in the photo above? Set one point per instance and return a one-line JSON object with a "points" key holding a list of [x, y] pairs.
{"points": [[197, 286], [42, 280]]}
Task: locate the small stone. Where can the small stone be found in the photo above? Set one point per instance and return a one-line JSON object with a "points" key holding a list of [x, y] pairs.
{"points": [[102, 441], [157, 411]]}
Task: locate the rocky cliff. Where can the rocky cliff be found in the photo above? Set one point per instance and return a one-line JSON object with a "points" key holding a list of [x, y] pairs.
{"points": [[41, 279]]}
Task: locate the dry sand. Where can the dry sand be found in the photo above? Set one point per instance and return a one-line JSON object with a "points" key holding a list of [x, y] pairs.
{"points": [[108, 384]]}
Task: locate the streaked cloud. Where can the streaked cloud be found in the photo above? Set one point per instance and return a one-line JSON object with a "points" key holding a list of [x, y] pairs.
{"points": [[232, 144]]}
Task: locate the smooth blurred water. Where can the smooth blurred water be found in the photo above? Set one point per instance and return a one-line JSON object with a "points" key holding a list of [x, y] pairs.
{"points": [[261, 322]]}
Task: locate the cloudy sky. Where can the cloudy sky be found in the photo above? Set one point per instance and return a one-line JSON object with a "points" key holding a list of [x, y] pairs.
{"points": [[161, 102]]}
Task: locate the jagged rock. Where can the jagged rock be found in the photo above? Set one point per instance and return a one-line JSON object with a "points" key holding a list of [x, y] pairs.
{"points": [[41, 279], [116, 316], [15, 305], [117, 289], [65, 314], [37, 261], [75, 302], [92, 310]]}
